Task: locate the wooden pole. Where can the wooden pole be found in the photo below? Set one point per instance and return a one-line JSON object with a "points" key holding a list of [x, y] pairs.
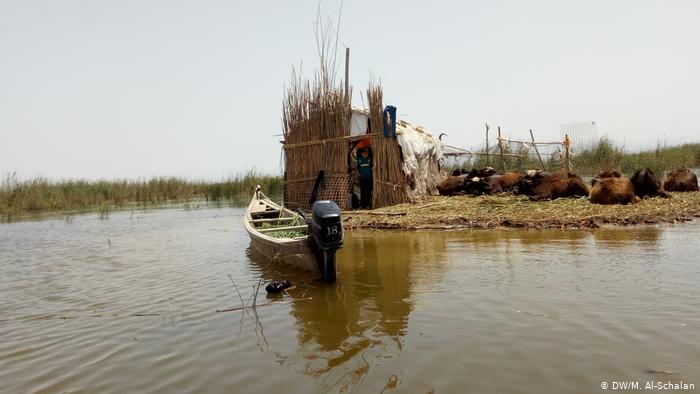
{"points": [[488, 159], [347, 92], [567, 156], [347, 76], [500, 148], [534, 145]]}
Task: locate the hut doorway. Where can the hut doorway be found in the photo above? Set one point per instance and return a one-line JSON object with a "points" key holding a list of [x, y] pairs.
{"points": [[360, 166]]}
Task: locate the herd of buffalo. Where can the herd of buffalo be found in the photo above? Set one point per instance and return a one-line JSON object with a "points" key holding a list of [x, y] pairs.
{"points": [[609, 187]]}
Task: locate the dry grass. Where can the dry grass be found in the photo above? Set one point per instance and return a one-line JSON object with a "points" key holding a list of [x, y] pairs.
{"points": [[517, 211]]}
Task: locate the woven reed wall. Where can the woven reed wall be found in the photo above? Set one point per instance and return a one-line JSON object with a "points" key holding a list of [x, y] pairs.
{"points": [[389, 182], [313, 113]]}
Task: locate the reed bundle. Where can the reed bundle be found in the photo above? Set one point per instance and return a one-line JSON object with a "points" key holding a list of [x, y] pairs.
{"points": [[314, 112], [389, 184]]}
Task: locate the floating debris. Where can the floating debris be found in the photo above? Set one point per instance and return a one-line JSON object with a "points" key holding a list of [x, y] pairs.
{"points": [[660, 371], [278, 286]]}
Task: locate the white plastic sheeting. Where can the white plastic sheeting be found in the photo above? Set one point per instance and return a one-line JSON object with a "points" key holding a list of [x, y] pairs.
{"points": [[358, 123], [421, 154]]}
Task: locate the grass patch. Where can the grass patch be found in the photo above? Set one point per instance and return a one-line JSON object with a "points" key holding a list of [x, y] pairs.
{"points": [[19, 197]]}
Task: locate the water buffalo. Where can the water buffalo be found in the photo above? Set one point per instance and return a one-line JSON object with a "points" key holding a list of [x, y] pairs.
{"points": [[451, 185], [550, 186], [476, 186], [482, 173], [476, 182], [646, 184], [473, 182], [681, 180], [612, 188], [504, 183], [605, 174]]}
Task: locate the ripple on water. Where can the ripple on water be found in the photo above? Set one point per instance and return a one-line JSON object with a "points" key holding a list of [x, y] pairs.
{"points": [[479, 311]]}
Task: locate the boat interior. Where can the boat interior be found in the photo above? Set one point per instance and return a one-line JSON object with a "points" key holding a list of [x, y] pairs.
{"points": [[268, 217]]}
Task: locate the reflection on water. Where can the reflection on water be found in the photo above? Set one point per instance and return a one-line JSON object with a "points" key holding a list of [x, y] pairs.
{"points": [[129, 304], [361, 318]]}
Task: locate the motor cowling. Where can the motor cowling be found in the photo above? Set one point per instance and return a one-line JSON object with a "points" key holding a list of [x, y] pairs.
{"points": [[327, 232]]}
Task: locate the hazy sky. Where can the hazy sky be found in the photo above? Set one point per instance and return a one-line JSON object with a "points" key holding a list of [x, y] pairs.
{"points": [[194, 88]]}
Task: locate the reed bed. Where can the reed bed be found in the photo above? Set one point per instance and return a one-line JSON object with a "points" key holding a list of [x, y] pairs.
{"points": [[517, 211], [389, 186], [606, 155], [40, 195]]}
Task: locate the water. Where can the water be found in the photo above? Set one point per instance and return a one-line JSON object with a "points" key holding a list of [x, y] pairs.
{"points": [[129, 304]]}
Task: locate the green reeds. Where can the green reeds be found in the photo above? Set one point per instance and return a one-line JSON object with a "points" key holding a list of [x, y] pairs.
{"points": [[40, 195], [606, 155]]}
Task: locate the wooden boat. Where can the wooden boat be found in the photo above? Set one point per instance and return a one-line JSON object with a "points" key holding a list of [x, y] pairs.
{"points": [[264, 217], [311, 246]]}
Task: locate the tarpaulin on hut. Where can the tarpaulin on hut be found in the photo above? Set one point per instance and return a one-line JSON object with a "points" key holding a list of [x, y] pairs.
{"points": [[421, 154], [358, 122]]}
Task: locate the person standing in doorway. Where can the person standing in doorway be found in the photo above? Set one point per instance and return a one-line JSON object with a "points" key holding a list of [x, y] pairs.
{"points": [[364, 168]]}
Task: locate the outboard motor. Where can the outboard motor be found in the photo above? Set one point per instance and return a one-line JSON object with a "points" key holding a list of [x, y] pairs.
{"points": [[326, 229]]}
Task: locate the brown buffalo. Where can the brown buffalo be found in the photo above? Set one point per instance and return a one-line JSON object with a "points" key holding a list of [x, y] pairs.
{"points": [[482, 173], [646, 184], [612, 188], [533, 177], [451, 185], [681, 180], [476, 186], [550, 186], [605, 174], [476, 181], [507, 182]]}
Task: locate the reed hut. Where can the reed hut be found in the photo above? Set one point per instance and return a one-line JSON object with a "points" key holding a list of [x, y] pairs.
{"points": [[322, 133]]}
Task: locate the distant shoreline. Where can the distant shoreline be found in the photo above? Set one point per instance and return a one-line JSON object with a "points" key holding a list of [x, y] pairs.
{"points": [[20, 198], [37, 196]]}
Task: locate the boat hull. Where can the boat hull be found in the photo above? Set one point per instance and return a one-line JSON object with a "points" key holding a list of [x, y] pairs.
{"points": [[294, 252]]}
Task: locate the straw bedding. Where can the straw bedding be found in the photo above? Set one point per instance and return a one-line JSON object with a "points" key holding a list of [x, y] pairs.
{"points": [[517, 211]]}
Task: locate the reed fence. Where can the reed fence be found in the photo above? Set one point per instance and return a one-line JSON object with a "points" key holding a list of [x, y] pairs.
{"points": [[389, 181], [513, 155]]}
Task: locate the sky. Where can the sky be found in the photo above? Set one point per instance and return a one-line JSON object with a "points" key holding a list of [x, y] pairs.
{"points": [[136, 89]]}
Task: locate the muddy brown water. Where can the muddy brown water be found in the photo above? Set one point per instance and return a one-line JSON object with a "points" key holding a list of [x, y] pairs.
{"points": [[128, 304]]}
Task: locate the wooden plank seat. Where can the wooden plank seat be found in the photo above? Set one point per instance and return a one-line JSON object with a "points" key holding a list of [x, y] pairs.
{"points": [[288, 228], [272, 220], [271, 214]]}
